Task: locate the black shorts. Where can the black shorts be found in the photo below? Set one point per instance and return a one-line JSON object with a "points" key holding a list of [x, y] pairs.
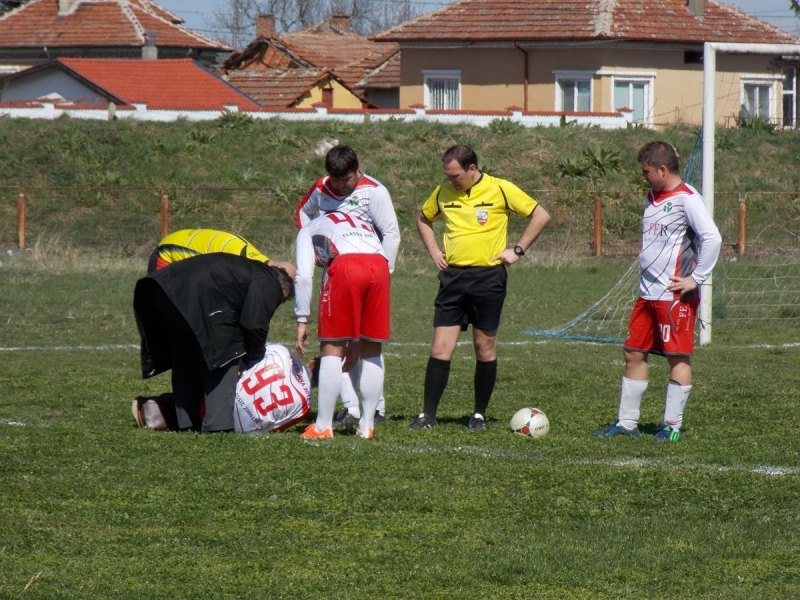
{"points": [[471, 295]]}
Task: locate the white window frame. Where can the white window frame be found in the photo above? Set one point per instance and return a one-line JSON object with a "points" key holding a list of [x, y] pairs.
{"points": [[762, 79], [793, 95], [564, 75], [431, 74], [648, 78]]}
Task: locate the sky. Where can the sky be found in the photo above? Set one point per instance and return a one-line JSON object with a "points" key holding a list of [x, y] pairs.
{"points": [[199, 14]]}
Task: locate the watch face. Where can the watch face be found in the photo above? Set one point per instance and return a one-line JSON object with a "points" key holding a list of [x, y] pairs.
{"points": [[519, 251]]}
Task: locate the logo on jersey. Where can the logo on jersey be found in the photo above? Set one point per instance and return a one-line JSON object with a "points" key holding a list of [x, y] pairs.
{"points": [[668, 207], [353, 200], [482, 216]]}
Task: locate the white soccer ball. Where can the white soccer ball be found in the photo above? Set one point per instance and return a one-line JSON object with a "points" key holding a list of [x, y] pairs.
{"points": [[530, 422]]}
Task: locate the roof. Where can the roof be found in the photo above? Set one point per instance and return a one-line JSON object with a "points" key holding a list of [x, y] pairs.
{"points": [[323, 46], [95, 23], [470, 21], [167, 84], [281, 88]]}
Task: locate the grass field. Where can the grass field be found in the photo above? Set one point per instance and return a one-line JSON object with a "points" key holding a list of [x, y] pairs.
{"points": [[92, 507]]}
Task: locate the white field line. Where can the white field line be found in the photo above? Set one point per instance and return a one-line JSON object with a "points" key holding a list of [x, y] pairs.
{"points": [[388, 347], [494, 453]]}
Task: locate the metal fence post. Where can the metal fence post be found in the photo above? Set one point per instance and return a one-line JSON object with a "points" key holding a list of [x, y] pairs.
{"points": [[164, 215], [598, 227], [742, 241], [21, 210]]}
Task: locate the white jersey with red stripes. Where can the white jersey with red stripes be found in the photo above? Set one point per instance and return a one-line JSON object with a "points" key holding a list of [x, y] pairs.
{"points": [[322, 240], [369, 201], [272, 395], [679, 238]]}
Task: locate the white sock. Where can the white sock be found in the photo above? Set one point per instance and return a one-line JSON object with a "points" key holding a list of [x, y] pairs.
{"points": [[348, 394], [330, 386], [630, 402], [382, 400], [371, 386], [677, 396]]}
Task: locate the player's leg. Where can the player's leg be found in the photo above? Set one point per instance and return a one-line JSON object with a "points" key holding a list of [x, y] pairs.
{"points": [[486, 296], [371, 384], [678, 348], [330, 387], [485, 344], [640, 341], [219, 387]]}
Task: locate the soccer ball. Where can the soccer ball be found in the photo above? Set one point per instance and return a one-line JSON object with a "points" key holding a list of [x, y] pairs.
{"points": [[530, 422]]}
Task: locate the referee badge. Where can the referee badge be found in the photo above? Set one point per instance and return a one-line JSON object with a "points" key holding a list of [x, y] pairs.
{"points": [[482, 216]]}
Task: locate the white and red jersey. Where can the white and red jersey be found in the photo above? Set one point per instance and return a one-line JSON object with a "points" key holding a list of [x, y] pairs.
{"points": [[679, 238], [272, 395], [370, 202], [320, 242]]}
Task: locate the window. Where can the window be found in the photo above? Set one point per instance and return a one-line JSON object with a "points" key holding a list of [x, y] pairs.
{"points": [[574, 91], [634, 94], [791, 100], [442, 90], [758, 97]]}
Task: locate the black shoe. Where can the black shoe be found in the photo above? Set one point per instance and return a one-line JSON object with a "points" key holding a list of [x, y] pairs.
{"points": [[379, 418], [423, 421], [477, 422], [344, 419]]}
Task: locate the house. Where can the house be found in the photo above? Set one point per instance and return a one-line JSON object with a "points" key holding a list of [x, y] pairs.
{"points": [[42, 30], [363, 73], [179, 84], [576, 56]]}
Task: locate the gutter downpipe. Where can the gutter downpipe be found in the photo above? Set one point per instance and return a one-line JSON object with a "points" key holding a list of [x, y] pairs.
{"points": [[525, 76]]}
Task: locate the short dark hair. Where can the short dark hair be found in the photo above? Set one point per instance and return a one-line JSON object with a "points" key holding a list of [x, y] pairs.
{"points": [[286, 281], [341, 161], [659, 153], [463, 155]]}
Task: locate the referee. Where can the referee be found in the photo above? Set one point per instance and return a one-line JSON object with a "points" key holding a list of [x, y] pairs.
{"points": [[475, 208]]}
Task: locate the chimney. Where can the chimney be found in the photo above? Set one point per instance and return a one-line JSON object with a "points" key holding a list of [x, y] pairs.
{"points": [[341, 22], [265, 26], [67, 6], [696, 7], [150, 50]]}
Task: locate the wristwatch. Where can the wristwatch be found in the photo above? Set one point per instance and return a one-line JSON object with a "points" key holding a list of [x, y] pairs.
{"points": [[519, 251]]}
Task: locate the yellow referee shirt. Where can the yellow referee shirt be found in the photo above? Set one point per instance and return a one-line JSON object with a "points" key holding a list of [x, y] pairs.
{"points": [[191, 242], [476, 221]]}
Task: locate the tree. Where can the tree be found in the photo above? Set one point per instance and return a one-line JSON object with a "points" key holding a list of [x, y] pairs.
{"points": [[795, 4], [6, 5], [237, 17]]}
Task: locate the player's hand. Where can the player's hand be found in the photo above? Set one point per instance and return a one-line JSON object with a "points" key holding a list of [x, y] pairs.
{"points": [[439, 260], [301, 338], [507, 256], [681, 285]]}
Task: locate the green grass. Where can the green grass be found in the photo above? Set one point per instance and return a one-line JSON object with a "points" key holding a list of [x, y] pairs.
{"points": [[95, 508]]}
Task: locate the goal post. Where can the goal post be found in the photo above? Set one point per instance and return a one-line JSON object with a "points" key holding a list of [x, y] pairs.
{"points": [[710, 50]]}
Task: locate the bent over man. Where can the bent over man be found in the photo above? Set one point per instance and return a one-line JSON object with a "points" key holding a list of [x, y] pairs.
{"points": [[202, 316], [353, 307]]}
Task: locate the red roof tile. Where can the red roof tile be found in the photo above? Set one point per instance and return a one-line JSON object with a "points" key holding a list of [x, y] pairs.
{"points": [[323, 46], [168, 84], [95, 23], [545, 20], [280, 88]]}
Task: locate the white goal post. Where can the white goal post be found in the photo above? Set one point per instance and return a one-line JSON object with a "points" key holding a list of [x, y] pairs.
{"points": [[710, 50]]}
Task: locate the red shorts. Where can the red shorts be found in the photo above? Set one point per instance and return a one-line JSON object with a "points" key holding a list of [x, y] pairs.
{"points": [[355, 299], [662, 326]]}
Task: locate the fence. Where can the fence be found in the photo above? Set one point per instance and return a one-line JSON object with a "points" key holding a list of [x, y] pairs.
{"points": [[130, 221]]}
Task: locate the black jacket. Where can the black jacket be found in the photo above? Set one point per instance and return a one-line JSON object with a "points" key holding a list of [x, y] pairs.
{"points": [[227, 301]]}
